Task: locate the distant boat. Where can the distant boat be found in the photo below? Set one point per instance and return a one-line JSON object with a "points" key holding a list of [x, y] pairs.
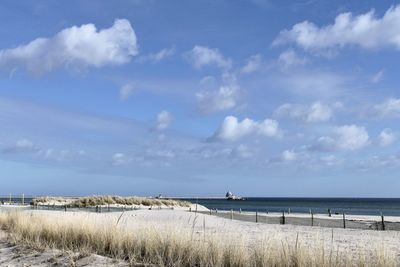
{"points": [[230, 196]]}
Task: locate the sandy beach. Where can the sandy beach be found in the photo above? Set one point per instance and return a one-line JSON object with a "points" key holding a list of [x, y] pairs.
{"points": [[354, 242]]}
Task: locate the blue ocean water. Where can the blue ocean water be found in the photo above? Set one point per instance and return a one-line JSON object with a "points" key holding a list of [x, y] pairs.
{"points": [[356, 206]]}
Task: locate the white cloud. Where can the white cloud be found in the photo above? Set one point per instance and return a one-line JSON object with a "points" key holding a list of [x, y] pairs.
{"points": [[24, 144], [164, 119], [290, 58], [242, 151], [201, 56], [21, 146], [387, 137], [75, 47], [390, 107], [162, 54], [126, 91], [231, 129], [365, 30], [329, 160], [377, 77], [119, 159], [253, 64], [224, 98], [316, 112], [346, 137], [289, 155], [55, 154]]}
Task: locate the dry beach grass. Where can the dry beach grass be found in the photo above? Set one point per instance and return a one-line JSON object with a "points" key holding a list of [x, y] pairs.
{"points": [[172, 246], [92, 201]]}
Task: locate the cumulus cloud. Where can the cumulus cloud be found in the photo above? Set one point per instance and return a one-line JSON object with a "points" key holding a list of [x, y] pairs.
{"points": [[253, 64], [126, 91], [224, 98], [201, 56], [365, 30], [316, 112], [164, 119], [346, 137], [231, 129], [389, 107], [387, 137], [290, 58], [78, 46]]}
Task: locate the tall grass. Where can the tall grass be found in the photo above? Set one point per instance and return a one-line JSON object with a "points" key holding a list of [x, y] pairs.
{"points": [[91, 201], [172, 248]]}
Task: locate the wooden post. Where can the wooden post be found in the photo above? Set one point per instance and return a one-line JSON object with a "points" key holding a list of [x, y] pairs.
{"points": [[383, 222], [344, 220], [283, 217], [231, 214], [23, 199], [196, 207], [329, 213], [210, 211], [240, 210], [256, 217], [312, 219], [65, 207], [289, 211], [10, 200]]}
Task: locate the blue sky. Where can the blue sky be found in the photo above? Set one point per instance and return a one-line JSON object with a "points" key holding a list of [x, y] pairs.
{"points": [[192, 98]]}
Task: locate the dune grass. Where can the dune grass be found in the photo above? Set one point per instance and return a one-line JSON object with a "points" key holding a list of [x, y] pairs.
{"points": [[171, 248], [92, 201]]}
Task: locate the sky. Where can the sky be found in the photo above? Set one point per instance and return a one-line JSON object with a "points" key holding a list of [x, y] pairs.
{"points": [[194, 98]]}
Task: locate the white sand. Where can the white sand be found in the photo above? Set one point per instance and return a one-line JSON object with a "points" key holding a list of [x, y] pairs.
{"points": [[346, 239], [350, 241]]}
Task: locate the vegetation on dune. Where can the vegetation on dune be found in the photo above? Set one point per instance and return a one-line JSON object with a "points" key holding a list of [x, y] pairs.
{"points": [[92, 201], [172, 248]]}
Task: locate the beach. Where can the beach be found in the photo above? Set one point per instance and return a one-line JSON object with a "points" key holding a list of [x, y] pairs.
{"points": [[354, 243]]}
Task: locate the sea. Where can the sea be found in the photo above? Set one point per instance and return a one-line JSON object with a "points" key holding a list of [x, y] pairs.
{"points": [[355, 206]]}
